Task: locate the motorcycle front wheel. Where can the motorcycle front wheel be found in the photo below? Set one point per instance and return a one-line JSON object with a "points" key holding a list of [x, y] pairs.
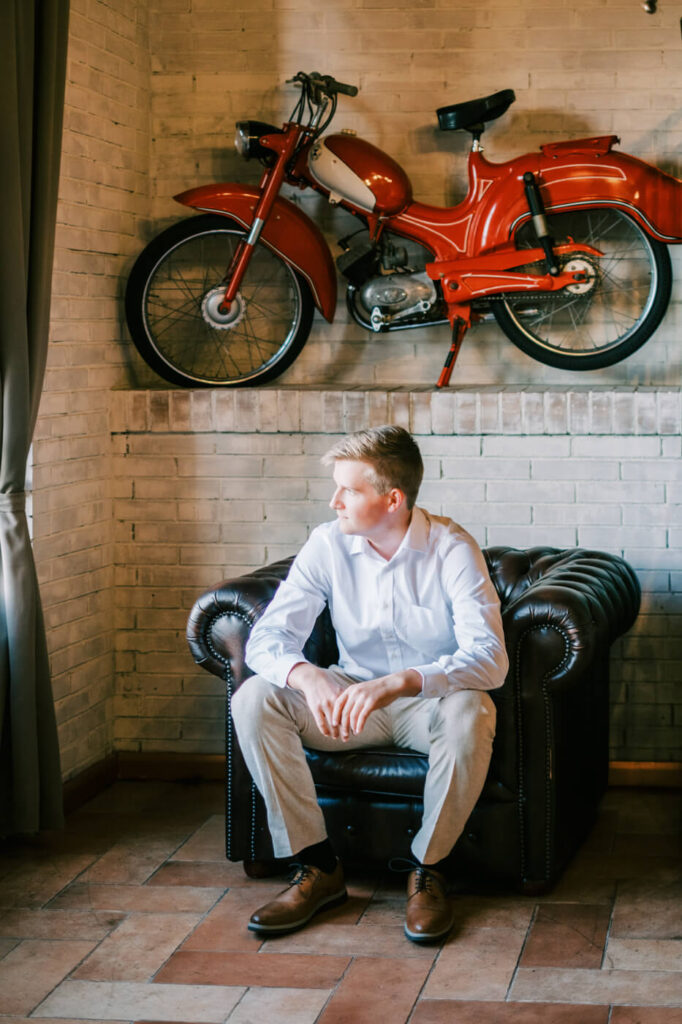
{"points": [[172, 309], [607, 315]]}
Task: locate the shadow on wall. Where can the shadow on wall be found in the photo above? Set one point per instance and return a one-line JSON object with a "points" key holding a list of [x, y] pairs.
{"points": [[643, 724]]}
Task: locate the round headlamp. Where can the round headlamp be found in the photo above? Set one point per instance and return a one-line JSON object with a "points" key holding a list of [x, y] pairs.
{"points": [[247, 139], [242, 139]]}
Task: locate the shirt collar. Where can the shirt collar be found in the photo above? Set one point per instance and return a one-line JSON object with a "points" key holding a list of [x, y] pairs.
{"points": [[416, 537]]}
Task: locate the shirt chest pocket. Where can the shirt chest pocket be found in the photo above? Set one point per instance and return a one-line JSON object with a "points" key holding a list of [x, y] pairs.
{"points": [[422, 627]]}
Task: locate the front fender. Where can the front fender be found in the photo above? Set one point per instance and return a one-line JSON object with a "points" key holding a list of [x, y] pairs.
{"points": [[572, 180], [289, 232]]}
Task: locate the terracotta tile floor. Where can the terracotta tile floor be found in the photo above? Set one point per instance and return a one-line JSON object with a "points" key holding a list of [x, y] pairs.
{"points": [[133, 914]]}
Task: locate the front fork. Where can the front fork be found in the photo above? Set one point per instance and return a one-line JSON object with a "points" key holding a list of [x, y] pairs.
{"points": [[271, 182]]}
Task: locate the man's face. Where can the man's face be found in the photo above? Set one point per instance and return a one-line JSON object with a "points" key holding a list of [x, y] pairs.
{"points": [[358, 505]]}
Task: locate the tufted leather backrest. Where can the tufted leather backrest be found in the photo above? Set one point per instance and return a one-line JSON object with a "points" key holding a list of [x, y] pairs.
{"points": [[605, 585], [513, 572]]}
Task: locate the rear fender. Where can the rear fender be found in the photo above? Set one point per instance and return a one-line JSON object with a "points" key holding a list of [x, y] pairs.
{"points": [[573, 179], [288, 231]]}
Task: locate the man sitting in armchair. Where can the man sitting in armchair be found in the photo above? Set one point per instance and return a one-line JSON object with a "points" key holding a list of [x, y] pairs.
{"points": [[420, 641]]}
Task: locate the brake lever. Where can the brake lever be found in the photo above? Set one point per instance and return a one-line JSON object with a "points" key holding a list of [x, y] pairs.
{"points": [[300, 78]]}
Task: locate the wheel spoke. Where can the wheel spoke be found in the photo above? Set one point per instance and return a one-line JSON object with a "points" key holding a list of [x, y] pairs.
{"points": [[177, 314], [252, 339], [600, 321], [181, 282]]}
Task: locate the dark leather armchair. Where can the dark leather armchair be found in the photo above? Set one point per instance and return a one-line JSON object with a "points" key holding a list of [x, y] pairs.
{"points": [[562, 610]]}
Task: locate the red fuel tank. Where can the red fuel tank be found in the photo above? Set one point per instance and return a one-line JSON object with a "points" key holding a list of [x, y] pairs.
{"points": [[355, 170]]}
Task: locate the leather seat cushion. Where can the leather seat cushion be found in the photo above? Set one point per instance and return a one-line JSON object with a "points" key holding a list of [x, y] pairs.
{"points": [[389, 771]]}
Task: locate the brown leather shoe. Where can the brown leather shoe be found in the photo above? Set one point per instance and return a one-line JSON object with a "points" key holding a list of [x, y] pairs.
{"points": [[309, 891], [428, 915]]}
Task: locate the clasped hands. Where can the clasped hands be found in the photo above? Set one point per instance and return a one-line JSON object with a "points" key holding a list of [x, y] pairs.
{"points": [[340, 711]]}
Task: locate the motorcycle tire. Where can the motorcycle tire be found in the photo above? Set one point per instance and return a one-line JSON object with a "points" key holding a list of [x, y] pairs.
{"points": [[608, 316], [172, 299]]}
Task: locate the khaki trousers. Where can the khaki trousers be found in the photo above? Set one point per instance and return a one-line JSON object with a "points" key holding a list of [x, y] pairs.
{"points": [[274, 723]]}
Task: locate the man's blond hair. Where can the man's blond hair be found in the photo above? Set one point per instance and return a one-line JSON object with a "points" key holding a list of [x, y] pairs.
{"points": [[392, 453]]}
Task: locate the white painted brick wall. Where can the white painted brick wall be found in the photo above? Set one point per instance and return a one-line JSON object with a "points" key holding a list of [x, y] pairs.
{"points": [[154, 87], [195, 508]]}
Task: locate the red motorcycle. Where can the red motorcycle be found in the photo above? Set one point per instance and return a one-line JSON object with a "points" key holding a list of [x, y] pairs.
{"points": [[566, 247]]}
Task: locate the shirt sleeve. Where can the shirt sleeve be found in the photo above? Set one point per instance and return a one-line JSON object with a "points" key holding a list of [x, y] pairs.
{"points": [[479, 661], [276, 641]]}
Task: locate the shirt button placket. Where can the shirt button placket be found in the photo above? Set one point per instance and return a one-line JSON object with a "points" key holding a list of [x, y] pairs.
{"points": [[386, 616], [390, 639]]}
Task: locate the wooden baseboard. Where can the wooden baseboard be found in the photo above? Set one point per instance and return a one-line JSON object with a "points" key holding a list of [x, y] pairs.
{"points": [[666, 774], [163, 767], [170, 767], [88, 783], [174, 767]]}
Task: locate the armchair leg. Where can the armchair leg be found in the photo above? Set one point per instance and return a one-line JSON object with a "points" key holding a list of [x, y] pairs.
{"points": [[534, 888]]}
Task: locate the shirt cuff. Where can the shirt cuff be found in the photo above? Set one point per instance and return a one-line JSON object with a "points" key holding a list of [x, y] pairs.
{"points": [[434, 680], [282, 667]]}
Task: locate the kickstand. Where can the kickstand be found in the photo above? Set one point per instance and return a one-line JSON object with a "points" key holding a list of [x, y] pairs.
{"points": [[459, 329]]}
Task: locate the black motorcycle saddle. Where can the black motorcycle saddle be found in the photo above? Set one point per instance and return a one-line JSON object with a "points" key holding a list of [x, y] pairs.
{"points": [[474, 113]]}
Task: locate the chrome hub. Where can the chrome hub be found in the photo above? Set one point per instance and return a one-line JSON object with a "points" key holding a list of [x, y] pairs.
{"points": [[212, 314], [586, 273]]}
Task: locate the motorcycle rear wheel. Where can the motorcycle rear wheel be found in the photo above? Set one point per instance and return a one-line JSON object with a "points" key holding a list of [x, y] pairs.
{"points": [[172, 299], [602, 323]]}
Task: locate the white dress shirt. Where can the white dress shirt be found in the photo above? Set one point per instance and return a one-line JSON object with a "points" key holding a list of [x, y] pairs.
{"points": [[431, 607]]}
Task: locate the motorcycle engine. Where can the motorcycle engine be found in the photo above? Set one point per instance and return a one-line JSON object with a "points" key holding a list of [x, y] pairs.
{"points": [[395, 293], [402, 296]]}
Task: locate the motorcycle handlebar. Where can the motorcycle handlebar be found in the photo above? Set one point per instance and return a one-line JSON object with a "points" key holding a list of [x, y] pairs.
{"points": [[325, 84], [347, 90]]}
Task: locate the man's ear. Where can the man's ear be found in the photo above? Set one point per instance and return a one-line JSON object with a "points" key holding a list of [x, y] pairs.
{"points": [[396, 499]]}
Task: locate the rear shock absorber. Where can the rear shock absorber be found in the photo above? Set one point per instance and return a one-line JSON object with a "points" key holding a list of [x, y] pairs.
{"points": [[537, 209]]}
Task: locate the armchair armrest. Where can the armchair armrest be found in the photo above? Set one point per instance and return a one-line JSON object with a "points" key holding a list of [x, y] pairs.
{"points": [[582, 600], [222, 618], [562, 610]]}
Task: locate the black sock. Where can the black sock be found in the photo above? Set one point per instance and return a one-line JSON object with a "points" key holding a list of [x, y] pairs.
{"points": [[440, 866], [321, 856]]}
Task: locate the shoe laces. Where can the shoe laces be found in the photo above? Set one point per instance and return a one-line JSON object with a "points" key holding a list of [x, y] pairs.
{"points": [[425, 880], [298, 873], [402, 864]]}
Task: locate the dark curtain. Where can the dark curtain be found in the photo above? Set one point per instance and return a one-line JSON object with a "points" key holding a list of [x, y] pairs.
{"points": [[33, 42]]}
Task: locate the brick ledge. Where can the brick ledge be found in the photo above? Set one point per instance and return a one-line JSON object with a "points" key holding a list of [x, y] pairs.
{"points": [[624, 411]]}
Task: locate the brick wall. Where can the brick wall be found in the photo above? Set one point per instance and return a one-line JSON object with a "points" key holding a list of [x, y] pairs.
{"points": [[208, 486], [103, 194], [129, 527], [578, 68]]}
